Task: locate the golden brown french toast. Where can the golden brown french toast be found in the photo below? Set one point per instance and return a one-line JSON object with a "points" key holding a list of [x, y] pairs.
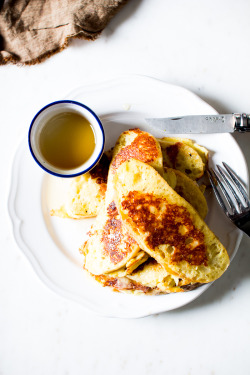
{"points": [[110, 246], [184, 155], [150, 278], [166, 226], [187, 189], [86, 192]]}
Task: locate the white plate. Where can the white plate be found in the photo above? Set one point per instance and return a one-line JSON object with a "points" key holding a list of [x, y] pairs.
{"points": [[51, 244]]}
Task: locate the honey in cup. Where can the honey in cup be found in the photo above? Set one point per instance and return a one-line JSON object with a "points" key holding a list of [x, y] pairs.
{"points": [[67, 140]]}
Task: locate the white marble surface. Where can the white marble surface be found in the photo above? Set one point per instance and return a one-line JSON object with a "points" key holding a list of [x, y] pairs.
{"points": [[203, 46]]}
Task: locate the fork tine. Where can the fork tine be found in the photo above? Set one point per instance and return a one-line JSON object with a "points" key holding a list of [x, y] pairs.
{"points": [[226, 180], [237, 182], [224, 191], [217, 194]]}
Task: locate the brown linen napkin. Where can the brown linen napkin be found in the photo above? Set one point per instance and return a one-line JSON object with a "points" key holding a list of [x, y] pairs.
{"points": [[32, 30]]}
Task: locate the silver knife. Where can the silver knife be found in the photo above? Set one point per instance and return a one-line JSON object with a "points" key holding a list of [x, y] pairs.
{"points": [[202, 124]]}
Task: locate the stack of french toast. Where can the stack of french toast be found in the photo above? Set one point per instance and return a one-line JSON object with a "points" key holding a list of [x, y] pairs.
{"points": [[149, 236]]}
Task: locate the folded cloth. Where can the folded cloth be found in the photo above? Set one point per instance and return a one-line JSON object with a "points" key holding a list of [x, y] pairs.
{"points": [[32, 30]]}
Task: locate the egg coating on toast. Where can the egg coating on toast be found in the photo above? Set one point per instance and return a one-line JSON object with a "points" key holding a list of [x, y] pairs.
{"points": [[166, 226], [86, 192], [184, 155], [187, 189], [150, 278], [110, 247]]}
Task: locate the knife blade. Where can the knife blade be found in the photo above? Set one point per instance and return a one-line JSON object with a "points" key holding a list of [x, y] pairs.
{"points": [[202, 123]]}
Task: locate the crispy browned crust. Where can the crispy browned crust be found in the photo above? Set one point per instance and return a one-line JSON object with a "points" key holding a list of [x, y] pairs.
{"points": [[101, 170], [172, 152], [113, 236], [166, 228], [143, 148]]}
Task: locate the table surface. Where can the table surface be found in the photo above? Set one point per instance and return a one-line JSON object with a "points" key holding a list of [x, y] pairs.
{"points": [[204, 47]]}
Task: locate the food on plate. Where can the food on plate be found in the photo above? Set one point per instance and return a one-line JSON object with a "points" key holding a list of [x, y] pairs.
{"points": [[166, 226], [152, 274], [132, 265], [110, 247], [150, 278], [187, 189], [86, 192], [202, 151], [184, 155], [148, 236]]}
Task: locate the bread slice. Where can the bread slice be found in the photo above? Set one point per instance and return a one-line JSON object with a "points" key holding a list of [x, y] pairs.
{"points": [[187, 189], [86, 192], [140, 258], [166, 226], [139, 145], [150, 278], [201, 150], [151, 274], [125, 285], [110, 246], [184, 155]]}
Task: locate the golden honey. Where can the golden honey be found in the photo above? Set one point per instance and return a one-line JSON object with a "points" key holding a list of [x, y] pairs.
{"points": [[67, 140]]}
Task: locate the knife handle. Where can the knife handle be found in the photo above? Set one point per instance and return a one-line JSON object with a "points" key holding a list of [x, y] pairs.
{"points": [[242, 122]]}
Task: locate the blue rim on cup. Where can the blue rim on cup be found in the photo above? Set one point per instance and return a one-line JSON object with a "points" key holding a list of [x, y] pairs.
{"points": [[49, 111]]}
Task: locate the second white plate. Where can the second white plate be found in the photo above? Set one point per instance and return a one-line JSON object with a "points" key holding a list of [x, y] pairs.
{"points": [[51, 244]]}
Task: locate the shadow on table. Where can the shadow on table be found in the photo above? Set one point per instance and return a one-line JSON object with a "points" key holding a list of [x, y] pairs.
{"points": [[125, 13], [238, 271], [218, 106]]}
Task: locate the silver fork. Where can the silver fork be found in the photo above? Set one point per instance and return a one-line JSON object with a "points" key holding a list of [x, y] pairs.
{"points": [[231, 196]]}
